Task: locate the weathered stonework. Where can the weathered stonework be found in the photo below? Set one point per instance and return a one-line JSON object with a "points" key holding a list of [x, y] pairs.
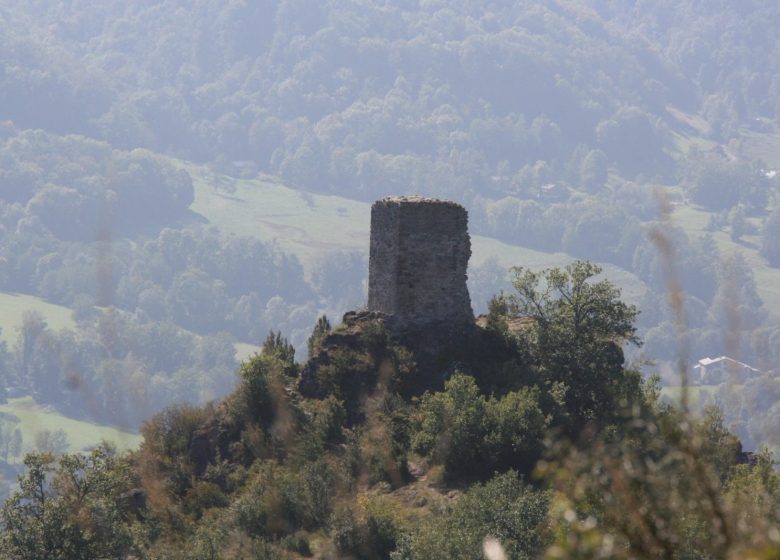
{"points": [[419, 254]]}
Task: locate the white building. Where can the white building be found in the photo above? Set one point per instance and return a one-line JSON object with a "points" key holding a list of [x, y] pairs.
{"points": [[713, 371]]}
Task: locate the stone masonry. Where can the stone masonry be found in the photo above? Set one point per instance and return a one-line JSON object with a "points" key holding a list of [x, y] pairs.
{"points": [[419, 254]]}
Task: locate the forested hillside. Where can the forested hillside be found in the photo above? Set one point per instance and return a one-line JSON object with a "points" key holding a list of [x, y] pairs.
{"points": [[371, 98], [539, 443]]}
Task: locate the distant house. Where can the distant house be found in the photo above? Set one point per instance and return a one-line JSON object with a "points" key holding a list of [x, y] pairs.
{"points": [[553, 192], [714, 371]]}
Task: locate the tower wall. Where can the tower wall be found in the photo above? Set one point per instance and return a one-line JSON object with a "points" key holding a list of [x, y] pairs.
{"points": [[418, 261]]}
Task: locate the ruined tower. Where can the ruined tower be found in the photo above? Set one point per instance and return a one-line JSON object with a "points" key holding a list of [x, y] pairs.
{"points": [[419, 254]]}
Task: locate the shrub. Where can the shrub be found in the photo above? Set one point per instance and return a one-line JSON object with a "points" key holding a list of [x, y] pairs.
{"points": [[470, 434], [278, 501], [297, 542], [321, 329], [383, 441], [505, 508], [363, 531], [202, 496], [265, 377], [323, 426], [170, 432]]}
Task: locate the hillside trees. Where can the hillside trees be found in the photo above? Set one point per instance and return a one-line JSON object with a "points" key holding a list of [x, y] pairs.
{"points": [[719, 184], [593, 171], [10, 438], [311, 457], [635, 142], [98, 228], [116, 368], [82, 189], [770, 238], [68, 509], [6, 370], [424, 84]]}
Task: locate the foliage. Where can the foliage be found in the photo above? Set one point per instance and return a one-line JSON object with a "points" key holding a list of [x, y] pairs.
{"points": [[278, 469], [69, 508], [277, 501], [265, 377], [169, 433], [277, 346], [366, 364], [54, 443], [577, 329], [364, 530], [96, 214], [95, 209], [472, 435], [321, 328], [505, 508], [656, 492], [10, 438], [300, 113], [719, 184], [382, 442], [770, 238]]}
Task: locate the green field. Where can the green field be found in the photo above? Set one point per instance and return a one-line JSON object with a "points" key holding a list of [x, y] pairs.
{"points": [[34, 418], [13, 307], [513, 255], [302, 223], [694, 221], [81, 435]]}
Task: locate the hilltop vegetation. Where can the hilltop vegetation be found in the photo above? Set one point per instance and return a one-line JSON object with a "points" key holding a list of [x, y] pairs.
{"points": [[364, 453]]}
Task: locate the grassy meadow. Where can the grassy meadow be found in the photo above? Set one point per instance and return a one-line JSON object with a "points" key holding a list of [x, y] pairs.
{"points": [[13, 307], [81, 435]]}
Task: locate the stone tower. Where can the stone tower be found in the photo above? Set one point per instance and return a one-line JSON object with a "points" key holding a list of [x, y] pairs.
{"points": [[419, 254]]}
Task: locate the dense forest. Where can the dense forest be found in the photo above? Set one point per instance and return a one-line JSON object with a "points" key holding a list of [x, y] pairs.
{"points": [[642, 136]]}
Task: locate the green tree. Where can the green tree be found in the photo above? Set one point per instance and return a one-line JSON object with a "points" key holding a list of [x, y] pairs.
{"points": [[738, 222], [32, 327], [277, 346], [504, 508], [717, 184], [576, 331], [321, 328], [68, 509], [52, 442], [594, 171], [470, 434], [10, 439]]}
